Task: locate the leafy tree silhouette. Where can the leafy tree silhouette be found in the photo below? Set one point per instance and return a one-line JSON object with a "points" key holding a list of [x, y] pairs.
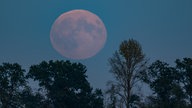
{"points": [[12, 82], [65, 85], [185, 69], [164, 80]]}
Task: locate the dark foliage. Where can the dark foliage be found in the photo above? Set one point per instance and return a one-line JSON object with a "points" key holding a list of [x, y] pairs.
{"points": [[185, 70], [62, 85], [12, 81], [165, 81], [65, 84]]}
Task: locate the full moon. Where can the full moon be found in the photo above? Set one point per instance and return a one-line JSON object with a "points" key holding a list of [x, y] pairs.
{"points": [[78, 34]]}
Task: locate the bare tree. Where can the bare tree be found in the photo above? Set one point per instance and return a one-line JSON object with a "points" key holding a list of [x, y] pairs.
{"points": [[127, 65]]}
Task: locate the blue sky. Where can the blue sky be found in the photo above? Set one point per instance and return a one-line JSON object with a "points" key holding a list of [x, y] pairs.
{"points": [[163, 28]]}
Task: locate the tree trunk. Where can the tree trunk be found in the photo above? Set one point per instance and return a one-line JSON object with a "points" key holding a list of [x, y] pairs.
{"points": [[128, 93]]}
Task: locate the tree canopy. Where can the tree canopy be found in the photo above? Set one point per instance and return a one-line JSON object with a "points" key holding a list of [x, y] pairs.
{"points": [[185, 69], [164, 82], [65, 84], [62, 84], [12, 81]]}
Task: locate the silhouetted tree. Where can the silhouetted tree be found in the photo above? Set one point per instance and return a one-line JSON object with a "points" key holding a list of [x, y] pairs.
{"points": [[165, 83], [12, 82], [97, 99], [127, 66], [112, 100], [65, 84], [31, 99], [185, 69]]}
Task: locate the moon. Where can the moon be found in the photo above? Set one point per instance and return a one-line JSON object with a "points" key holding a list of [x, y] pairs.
{"points": [[78, 34]]}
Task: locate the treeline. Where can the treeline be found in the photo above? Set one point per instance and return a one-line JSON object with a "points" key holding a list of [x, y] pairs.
{"points": [[171, 86], [63, 84]]}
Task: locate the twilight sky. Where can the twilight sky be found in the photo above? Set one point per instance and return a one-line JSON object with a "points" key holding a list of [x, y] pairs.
{"points": [[163, 28]]}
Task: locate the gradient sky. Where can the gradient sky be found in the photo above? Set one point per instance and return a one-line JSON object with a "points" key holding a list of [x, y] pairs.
{"points": [[163, 28]]}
